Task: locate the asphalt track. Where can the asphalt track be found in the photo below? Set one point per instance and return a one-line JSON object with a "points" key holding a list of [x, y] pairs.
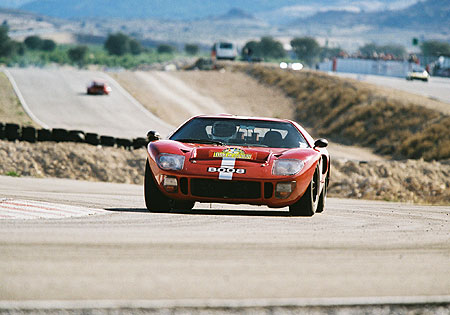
{"points": [[57, 98], [104, 249], [355, 249]]}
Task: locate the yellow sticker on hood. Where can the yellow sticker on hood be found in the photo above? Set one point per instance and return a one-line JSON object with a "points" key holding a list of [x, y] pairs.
{"points": [[233, 153]]}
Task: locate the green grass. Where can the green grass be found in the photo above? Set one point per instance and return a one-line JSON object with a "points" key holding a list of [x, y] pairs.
{"points": [[12, 174], [349, 113]]}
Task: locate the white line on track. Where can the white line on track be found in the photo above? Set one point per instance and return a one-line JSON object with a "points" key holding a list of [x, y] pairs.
{"points": [[24, 209], [226, 303], [22, 100]]}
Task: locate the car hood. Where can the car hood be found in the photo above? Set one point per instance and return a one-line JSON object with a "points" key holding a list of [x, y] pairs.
{"points": [[204, 152]]}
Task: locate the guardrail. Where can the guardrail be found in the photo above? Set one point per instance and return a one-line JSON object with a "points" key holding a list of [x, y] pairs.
{"points": [[15, 132]]}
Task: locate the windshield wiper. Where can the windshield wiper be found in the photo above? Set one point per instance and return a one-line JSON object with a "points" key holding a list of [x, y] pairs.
{"points": [[205, 141]]}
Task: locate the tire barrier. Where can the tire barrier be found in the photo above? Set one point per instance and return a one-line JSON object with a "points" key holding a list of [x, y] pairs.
{"points": [[12, 132], [2, 131], [60, 135], [44, 135], [124, 143], [76, 136], [92, 138], [29, 134], [139, 143], [107, 141]]}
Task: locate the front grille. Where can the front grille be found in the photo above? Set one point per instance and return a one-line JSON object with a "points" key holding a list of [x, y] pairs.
{"points": [[213, 188], [184, 185], [268, 190]]}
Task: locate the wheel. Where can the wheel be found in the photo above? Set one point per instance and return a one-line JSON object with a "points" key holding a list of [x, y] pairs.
{"points": [[154, 199], [307, 204], [323, 197]]}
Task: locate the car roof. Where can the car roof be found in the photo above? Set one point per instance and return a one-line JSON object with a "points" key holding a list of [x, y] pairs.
{"points": [[230, 116]]}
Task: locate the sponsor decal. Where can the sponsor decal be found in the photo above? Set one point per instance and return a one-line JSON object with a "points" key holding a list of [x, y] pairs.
{"points": [[235, 153], [226, 170]]}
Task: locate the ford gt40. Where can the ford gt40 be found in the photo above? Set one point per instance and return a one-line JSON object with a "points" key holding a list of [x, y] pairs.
{"points": [[241, 160]]}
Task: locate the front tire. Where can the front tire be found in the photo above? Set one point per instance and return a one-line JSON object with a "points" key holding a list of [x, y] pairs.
{"points": [[323, 197], [306, 206], [155, 200]]}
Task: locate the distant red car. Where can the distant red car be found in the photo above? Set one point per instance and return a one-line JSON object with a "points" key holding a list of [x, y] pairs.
{"points": [[98, 87], [233, 159]]}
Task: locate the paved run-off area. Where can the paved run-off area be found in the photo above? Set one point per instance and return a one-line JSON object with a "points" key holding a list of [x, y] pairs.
{"points": [[356, 248]]}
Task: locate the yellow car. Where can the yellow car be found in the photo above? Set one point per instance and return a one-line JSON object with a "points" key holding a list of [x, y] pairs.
{"points": [[418, 74]]}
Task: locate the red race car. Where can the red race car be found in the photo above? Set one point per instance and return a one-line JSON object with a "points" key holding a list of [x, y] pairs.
{"points": [[233, 159], [98, 87]]}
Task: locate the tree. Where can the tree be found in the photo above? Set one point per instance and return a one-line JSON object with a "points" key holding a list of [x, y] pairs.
{"points": [[78, 55], [48, 45], [306, 48], [6, 44], [117, 44], [267, 47], [191, 49], [165, 49], [135, 46], [270, 48], [435, 48], [33, 42]]}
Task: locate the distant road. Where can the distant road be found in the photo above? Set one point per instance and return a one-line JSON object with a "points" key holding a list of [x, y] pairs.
{"points": [[57, 97], [437, 88]]}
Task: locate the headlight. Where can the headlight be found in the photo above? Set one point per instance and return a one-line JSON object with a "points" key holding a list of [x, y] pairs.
{"points": [[170, 161], [287, 167]]}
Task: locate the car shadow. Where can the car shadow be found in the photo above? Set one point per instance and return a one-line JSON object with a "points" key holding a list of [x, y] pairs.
{"points": [[247, 213]]}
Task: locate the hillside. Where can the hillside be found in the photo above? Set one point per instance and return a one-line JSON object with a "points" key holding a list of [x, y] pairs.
{"points": [[431, 14], [177, 9]]}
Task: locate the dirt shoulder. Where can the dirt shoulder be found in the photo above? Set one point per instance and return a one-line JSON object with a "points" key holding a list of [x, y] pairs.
{"points": [[11, 111], [406, 181]]}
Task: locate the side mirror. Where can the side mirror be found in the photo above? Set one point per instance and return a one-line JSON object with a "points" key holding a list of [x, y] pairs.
{"points": [[153, 135], [321, 143]]}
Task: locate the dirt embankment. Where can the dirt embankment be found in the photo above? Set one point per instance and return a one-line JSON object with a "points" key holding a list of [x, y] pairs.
{"points": [[407, 181], [11, 111], [351, 113]]}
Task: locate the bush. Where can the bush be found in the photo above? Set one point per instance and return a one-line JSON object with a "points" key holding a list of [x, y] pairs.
{"points": [[48, 45], [33, 42], [267, 47], [165, 49], [191, 49], [78, 55]]}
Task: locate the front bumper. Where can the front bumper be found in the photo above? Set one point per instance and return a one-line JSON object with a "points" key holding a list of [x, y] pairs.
{"points": [[255, 192]]}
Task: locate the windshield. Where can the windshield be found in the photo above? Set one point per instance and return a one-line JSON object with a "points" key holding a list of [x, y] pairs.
{"points": [[226, 46], [241, 132]]}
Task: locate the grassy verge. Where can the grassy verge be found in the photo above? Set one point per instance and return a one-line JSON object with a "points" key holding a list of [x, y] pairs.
{"points": [[11, 111], [347, 112]]}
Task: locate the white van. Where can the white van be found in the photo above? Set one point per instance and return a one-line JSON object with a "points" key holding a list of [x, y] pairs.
{"points": [[224, 50]]}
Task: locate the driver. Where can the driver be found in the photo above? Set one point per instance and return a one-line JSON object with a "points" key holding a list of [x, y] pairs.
{"points": [[223, 130]]}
